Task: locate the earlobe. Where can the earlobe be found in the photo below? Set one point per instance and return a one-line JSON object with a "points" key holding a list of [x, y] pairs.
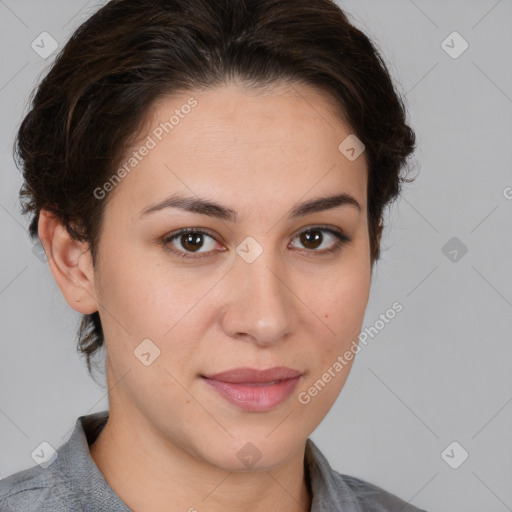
{"points": [[70, 263]]}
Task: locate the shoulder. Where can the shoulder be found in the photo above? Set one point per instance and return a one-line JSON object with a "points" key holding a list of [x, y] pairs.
{"points": [[37, 490], [66, 480], [332, 490], [373, 498]]}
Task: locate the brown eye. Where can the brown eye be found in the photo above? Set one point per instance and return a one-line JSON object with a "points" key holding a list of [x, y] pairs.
{"points": [[191, 241], [188, 241], [313, 238]]}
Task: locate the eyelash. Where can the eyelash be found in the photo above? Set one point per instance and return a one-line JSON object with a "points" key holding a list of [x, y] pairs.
{"points": [[342, 240]]}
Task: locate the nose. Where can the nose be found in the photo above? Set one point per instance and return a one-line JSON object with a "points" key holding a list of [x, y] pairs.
{"points": [[260, 305]]}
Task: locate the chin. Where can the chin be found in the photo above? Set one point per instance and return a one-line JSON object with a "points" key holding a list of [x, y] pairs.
{"points": [[252, 452]]}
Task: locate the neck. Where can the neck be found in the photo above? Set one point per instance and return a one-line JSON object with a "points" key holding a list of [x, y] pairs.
{"points": [[150, 473]]}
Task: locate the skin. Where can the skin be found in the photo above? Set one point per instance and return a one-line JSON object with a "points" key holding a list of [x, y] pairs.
{"points": [[171, 442]]}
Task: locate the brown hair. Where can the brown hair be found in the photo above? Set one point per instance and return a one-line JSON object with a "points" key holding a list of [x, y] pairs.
{"points": [[96, 96]]}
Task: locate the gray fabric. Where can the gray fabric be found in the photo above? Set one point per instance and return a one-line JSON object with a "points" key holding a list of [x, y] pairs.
{"points": [[74, 483]]}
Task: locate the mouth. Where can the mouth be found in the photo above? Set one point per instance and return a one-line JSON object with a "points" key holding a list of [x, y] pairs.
{"points": [[254, 390], [255, 376]]}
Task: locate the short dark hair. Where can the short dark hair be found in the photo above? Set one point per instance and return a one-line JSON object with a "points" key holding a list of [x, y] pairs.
{"points": [[97, 94]]}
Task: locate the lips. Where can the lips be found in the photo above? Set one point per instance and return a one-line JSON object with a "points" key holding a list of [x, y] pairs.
{"points": [[254, 376], [254, 390]]}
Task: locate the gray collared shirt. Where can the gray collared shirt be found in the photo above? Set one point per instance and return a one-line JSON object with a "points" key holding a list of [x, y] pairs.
{"points": [[73, 482]]}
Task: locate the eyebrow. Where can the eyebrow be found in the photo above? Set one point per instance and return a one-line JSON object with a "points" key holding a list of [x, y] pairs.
{"points": [[212, 209]]}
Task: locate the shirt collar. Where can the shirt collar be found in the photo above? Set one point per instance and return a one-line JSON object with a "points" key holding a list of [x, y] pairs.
{"points": [[76, 463], [328, 489]]}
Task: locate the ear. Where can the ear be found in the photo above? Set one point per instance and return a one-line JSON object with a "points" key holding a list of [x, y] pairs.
{"points": [[70, 262]]}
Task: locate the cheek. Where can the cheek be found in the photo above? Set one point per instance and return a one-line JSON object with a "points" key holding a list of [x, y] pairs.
{"points": [[342, 309], [139, 293], [345, 296], [341, 306]]}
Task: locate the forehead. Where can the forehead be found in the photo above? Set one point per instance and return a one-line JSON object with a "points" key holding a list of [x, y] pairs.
{"points": [[246, 145]]}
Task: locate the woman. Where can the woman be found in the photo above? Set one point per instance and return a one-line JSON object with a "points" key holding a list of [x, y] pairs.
{"points": [[208, 180]]}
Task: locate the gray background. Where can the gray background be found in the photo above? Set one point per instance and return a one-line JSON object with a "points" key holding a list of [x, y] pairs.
{"points": [[439, 372]]}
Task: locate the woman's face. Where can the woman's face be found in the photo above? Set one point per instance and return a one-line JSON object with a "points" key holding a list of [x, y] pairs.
{"points": [[252, 289]]}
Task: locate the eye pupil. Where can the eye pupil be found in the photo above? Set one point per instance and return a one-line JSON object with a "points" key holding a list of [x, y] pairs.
{"points": [[192, 241], [311, 237]]}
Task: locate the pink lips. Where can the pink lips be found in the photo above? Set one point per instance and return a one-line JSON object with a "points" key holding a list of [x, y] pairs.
{"points": [[255, 390]]}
